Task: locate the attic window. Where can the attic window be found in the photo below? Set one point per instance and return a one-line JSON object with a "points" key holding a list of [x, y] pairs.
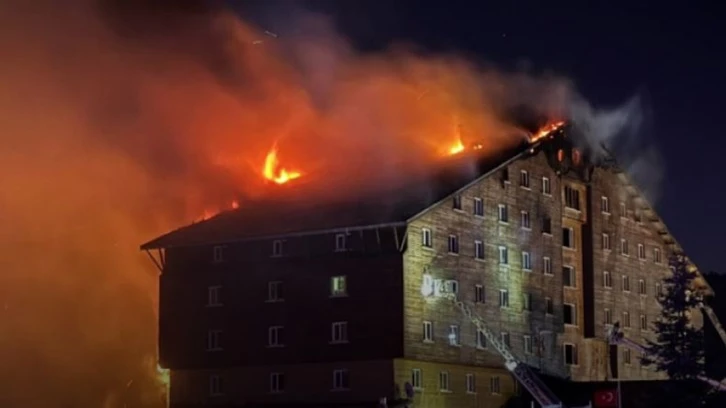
{"points": [[457, 202], [576, 156], [505, 174], [560, 155]]}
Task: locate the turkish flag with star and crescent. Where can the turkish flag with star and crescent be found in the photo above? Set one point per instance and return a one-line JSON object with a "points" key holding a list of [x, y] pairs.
{"points": [[606, 398]]}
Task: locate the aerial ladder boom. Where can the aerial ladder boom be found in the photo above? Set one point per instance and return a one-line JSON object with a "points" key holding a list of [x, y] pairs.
{"points": [[714, 320], [615, 336], [539, 391]]}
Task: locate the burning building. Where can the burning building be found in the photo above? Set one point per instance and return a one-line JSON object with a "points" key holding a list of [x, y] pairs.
{"points": [[279, 301]]}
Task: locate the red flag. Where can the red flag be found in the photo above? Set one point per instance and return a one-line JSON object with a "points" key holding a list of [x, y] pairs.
{"points": [[606, 398]]}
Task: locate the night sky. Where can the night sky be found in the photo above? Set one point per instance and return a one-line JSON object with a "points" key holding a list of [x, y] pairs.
{"points": [[673, 56]]}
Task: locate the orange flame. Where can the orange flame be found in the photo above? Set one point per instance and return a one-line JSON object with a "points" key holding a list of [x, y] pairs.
{"points": [[272, 170], [456, 148], [546, 130]]}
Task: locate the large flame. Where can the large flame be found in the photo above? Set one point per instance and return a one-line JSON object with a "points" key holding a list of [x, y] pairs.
{"points": [[272, 170], [546, 130]]}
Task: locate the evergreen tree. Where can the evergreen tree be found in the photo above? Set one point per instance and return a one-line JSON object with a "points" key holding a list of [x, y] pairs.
{"points": [[679, 347]]}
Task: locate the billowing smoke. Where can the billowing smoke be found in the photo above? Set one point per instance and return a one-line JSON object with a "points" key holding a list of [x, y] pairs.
{"points": [[121, 120]]}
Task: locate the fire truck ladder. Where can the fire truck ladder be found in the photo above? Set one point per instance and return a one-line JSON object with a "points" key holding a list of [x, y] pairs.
{"points": [[616, 337], [714, 320], [539, 391]]}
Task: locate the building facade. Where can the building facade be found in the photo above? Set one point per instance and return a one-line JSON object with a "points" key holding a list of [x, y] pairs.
{"points": [[548, 248]]}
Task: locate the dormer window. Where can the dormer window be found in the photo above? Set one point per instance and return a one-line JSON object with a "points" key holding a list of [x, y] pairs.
{"points": [[576, 157]]}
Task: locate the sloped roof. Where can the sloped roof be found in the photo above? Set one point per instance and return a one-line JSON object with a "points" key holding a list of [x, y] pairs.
{"points": [[277, 217]]}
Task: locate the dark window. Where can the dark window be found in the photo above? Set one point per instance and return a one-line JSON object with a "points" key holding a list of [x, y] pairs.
{"points": [[572, 198], [478, 207], [569, 314], [457, 202], [568, 238], [453, 244], [547, 225]]}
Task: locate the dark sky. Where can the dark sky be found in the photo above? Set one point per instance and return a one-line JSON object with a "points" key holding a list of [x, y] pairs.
{"points": [[672, 55]]}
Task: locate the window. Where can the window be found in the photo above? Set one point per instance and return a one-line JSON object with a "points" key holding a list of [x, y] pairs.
{"points": [[426, 237], [569, 314], [274, 291], [503, 255], [528, 348], [277, 382], [503, 298], [481, 340], [624, 249], [444, 381], [547, 265], [608, 316], [641, 287], [607, 280], [658, 289], [215, 385], [454, 339], [626, 356], [494, 385], [341, 380], [503, 213], [656, 255], [623, 210], [549, 306], [547, 225], [568, 276], [214, 296], [605, 205], [470, 384], [457, 202], [479, 296], [643, 322], [524, 179], [416, 379], [525, 220], [568, 238], [626, 320], [478, 207], [275, 336], [606, 242], [546, 188], [340, 243], [478, 250], [641, 251], [218, 253], [214, 340], [526, 261], [505, 339], [570, 351], [339, 332], [277, 247], [626, 283], [338, 286], [453, 244], [505, 174], [572, 198], [428, 331], [527, 302]]}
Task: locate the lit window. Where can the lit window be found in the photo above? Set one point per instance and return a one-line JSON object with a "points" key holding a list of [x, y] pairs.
{"points": [[607, 280], [214, 296], [478, 207], [428, 331], [339, 332], [524, 179], [503, 298], [605, 205], [572, 198], [453, 244], [478, 250], [525, 220], [526, 261], [546, 188], [547, 265], [560, 155], [444, 381], [416, 379], [426, 237], [606, 242], [338, 286], [341, 380], [214, 340], [277, 247], [626, 283], [503, 255], [340, 244], [569, 277], [470, 384], [274, 291], [457, 202], [277, 382], [576, 157], [568, 238], [503, 213], [215, 385], [275, 336], [454, 335], [479, 296], [569, 314], [570, 352]]}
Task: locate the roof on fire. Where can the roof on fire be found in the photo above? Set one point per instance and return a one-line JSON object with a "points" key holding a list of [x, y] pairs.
{"points": [[262, 219]]}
